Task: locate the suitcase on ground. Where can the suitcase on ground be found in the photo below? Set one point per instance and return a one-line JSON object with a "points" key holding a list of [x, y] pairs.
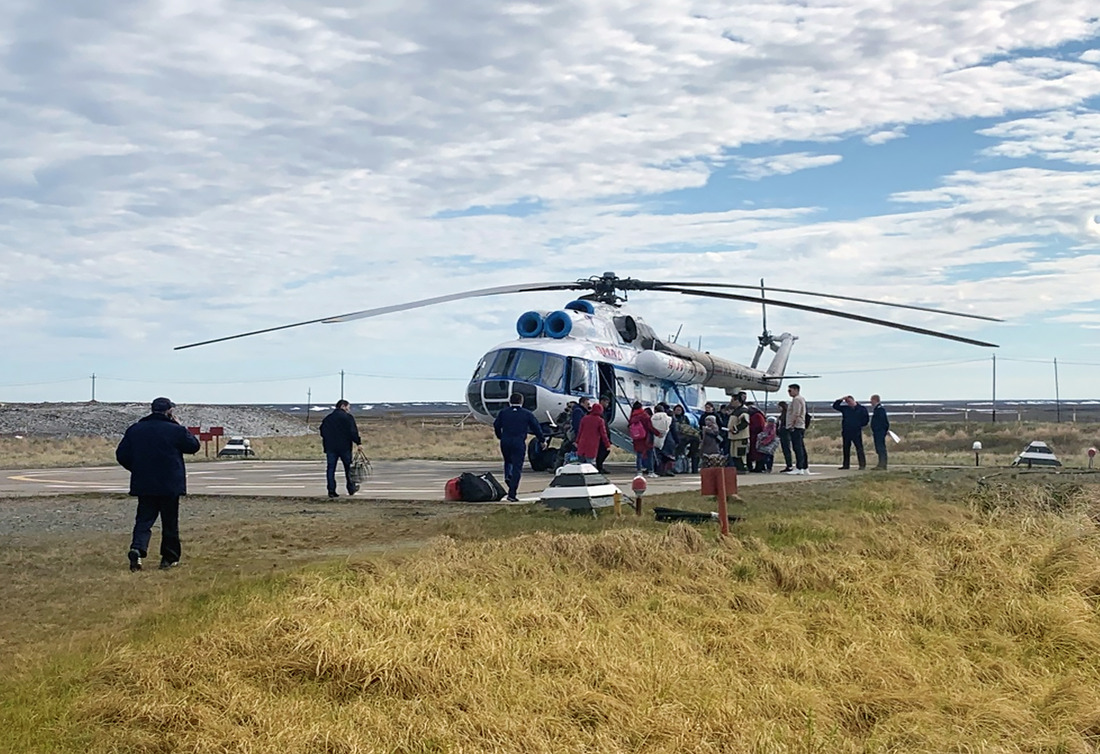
{"points": [[451, 491]]}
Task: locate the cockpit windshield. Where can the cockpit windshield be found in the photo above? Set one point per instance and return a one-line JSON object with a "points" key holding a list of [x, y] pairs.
{"points": [[545, 369]]}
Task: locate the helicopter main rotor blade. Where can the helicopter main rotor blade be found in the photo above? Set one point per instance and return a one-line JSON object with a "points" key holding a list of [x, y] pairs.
{"points": [[659, 286], [832, 313], [364, 313]]}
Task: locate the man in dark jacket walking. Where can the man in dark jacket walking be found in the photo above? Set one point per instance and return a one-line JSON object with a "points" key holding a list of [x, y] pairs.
{"points": [[880, 426], [511, 427], [338, 433], [152, 451], [853, 419]]}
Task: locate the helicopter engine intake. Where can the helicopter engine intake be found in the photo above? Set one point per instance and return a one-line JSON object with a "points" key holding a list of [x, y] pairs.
{"points": [[530, 324], [558, 324]]}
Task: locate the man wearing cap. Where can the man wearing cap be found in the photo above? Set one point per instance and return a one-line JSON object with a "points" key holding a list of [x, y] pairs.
{"points": [[338, 433], [152, 451]]}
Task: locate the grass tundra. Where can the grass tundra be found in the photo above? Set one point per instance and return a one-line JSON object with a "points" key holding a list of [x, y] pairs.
{"points": [[914, 611]]}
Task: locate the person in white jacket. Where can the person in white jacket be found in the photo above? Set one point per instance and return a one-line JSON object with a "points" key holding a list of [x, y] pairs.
{"points": [[661, 424]]}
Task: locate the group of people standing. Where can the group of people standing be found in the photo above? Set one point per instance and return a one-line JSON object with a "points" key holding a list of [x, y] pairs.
{"points": [[665, 440], [739, 434]]}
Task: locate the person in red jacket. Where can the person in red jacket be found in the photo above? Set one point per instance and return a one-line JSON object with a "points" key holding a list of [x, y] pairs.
{"points": [[592, 435], [641, 433]]}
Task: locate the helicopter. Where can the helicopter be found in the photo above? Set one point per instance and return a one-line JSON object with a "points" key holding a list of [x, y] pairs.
{"points": [[594, 346]]}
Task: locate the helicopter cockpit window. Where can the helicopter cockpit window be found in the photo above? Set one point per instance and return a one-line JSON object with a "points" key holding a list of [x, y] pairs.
{"points": [[482, 370], [528, 366], [553, 371], [502, 364]]}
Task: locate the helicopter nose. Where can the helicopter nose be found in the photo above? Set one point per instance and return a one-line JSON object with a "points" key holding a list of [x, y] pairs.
{"points": [[491, 396]]}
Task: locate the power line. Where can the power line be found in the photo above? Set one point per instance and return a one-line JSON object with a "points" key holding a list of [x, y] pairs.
{"points": [[901, 367], [405, 377]]}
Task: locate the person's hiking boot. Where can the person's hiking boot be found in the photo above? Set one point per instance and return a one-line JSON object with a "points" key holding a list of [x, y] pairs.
{"points": [[166, 564], [135, 559], [353, 489], [334, 494], [511, 499]]}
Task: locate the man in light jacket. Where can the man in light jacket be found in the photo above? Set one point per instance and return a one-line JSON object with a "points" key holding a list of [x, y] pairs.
{"points": [[796, 423]]}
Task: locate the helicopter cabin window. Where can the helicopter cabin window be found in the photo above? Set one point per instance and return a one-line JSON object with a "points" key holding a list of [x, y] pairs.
{"points": [[579, 376], [553, 370], [528, 366]]}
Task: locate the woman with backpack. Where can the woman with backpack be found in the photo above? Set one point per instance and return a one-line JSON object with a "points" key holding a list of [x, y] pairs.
{"points": [[641, 433]]}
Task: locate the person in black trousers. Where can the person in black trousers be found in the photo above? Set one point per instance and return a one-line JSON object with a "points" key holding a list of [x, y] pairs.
{"points": [[603, 453], [880, 426], [338, 433], [152, 451], [853, 418], [511, 427], [784, 437]]}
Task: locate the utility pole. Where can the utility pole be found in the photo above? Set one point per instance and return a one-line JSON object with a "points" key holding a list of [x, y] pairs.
{"points": [[994, 388], [93, 387], [309, 402], [341, 384], [1057, 397]]}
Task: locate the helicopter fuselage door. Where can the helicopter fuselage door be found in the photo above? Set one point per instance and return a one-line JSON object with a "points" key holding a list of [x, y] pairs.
{"points": [[607, 387]]}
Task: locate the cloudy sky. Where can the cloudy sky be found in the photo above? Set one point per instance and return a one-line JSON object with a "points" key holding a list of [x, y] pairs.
{"points": [[176, 171]]}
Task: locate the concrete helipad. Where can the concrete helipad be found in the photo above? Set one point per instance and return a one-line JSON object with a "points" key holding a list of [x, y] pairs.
{"points": [[392, 480]]}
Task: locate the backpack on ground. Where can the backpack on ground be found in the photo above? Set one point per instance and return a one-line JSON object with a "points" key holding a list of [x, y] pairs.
{"points": [[498, 491]]}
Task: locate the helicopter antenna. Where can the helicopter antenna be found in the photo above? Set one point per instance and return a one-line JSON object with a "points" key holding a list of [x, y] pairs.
{"points": [[676, 337]]}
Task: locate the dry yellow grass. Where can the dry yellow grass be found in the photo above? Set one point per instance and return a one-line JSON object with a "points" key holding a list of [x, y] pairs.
{"points": [[884, 621]]}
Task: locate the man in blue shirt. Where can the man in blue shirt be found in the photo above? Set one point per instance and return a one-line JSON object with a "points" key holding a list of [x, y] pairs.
{"points": [[511, 427]]}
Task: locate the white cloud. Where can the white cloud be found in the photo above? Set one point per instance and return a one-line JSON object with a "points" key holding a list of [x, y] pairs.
{"points": [[881, 137], [783, 164], [1060, 135]]}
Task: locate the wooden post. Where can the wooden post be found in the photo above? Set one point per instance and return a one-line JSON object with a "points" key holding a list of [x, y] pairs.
{"points": [[723, 516]]}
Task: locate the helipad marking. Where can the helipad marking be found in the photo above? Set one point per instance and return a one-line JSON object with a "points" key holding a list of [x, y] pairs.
{"points": [[257, 487], [43, 480]]}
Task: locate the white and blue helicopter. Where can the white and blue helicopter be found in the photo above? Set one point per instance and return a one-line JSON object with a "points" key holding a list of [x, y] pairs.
{"points": [[594, 346]]}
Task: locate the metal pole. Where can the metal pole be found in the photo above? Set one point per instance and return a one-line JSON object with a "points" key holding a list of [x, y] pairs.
{"points": [[994, 388], [1057, 396], [93, 387], [309, 402], [341, 384]]}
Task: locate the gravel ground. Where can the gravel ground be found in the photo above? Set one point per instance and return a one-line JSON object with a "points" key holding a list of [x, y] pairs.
{"points": [[112, 419], [26, 520]]}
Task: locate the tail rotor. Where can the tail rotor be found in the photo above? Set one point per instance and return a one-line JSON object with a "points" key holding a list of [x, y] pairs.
{"points": [[765, 338]]}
